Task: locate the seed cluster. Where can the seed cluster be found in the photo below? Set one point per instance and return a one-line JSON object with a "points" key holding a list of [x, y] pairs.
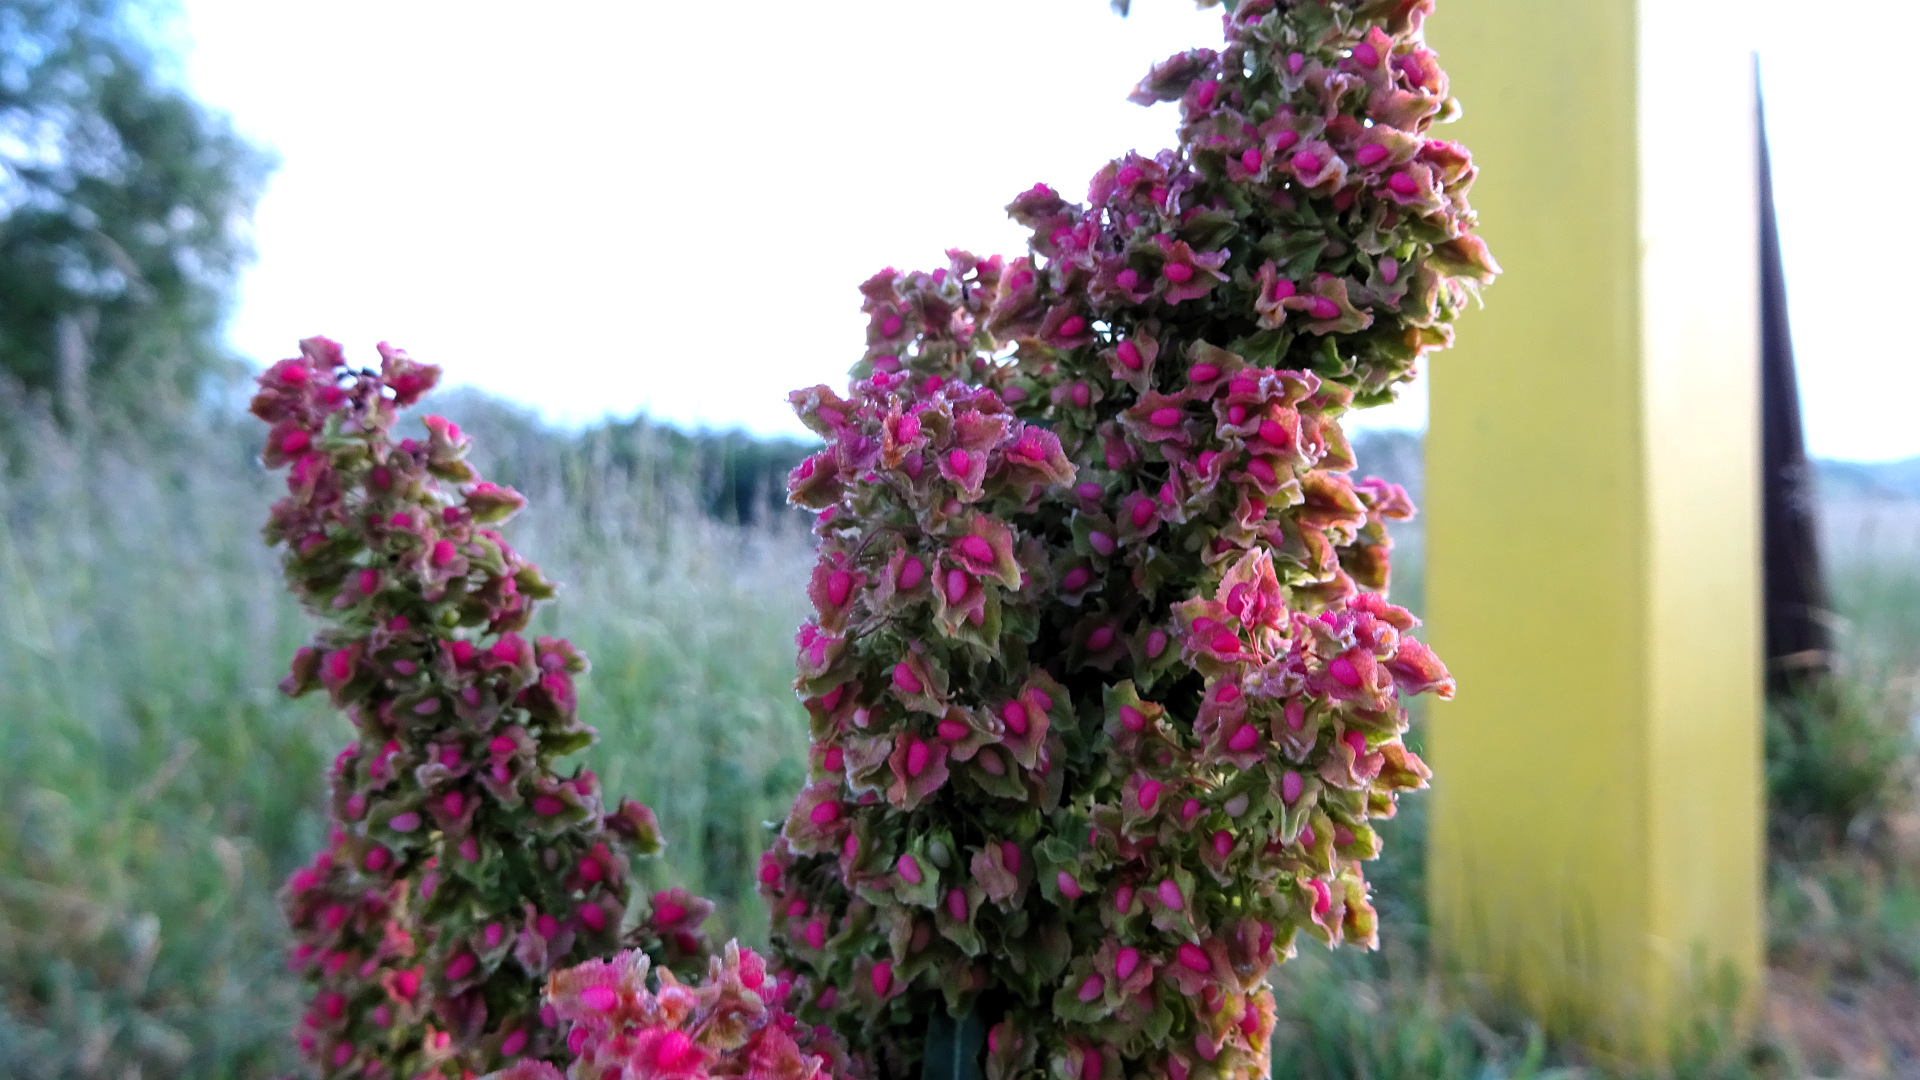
{"points": [[1104, 685]]}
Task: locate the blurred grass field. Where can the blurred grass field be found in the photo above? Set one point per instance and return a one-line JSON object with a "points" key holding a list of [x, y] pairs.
{"points": [[158, 789]]}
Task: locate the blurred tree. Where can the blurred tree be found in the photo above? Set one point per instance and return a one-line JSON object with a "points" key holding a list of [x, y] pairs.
{"points": [[125, 210]]}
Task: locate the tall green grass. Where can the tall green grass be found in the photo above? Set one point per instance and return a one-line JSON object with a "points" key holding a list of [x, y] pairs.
{"points": [[155, 789], [158, 788]]}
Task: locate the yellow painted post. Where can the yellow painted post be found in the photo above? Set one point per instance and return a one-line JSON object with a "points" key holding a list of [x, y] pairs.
{"points": [[1592, 517]]}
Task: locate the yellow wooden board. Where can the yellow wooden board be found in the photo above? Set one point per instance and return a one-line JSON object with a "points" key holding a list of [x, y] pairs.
{"points": [[1592, 518]]}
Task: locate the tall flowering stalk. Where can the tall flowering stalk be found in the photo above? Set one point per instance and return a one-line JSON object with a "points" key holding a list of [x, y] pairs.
{"points": [[462, 867], [1105, 688]]}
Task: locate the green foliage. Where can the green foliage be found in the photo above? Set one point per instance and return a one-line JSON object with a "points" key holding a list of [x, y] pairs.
{"points": [[156, 782], [1839, 750], [124, 210]]}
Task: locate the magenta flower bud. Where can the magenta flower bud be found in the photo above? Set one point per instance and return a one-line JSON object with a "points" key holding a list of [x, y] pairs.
{"points": [[891, 326], [816, 935], [1014, 715], [1010, 856], [1250, 161], [1306, 163], [1322, 897], [1123, 899], [1142, 512], [951, 730], [959, 461], [1093, 987], [1131, 718], [1190, 810], [882, 977], [904, 680], [833, 760], [443, 552], [957, 585], [1343, 672], [826, 813], [1366, 55], [957, 905], [547, 805], [1194, 959], [594, 916], [1222, 843], [599, 998], [839, 584], [908, 868], [1167, 417], [1322, 308], [1081, 394], [1169, 892], [378, 858], [1149, 794], [1403, 183], [1068, 887], [1128, 352], [912, 572], [916, 757], [1101, 637], [1290, 787], [404, 823], [1244, 739], [1356, 741], [470, 850], [1178, 273], [1126, 962], [1101, 542]]}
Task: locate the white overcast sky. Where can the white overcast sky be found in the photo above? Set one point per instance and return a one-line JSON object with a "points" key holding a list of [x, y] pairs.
{"points": [[606, 208]]}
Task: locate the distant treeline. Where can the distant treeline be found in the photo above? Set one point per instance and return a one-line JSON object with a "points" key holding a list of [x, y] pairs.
{"points": [[732, 476]]}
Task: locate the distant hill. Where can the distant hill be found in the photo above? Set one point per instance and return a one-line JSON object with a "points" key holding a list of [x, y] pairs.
{"points": [[1877, 479]]}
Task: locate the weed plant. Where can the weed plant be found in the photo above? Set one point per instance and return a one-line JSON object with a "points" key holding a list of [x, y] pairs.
{"points": [[158, 788]]}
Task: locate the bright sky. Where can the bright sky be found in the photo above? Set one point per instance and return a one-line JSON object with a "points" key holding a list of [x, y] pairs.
{"points": [[666, 207]]}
